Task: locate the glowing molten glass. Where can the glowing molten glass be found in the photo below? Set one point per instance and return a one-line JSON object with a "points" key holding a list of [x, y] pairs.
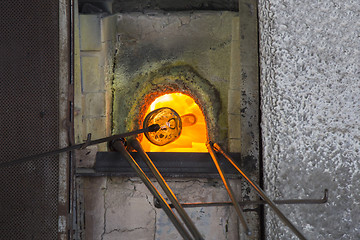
{"points": [[193, 134], [169, 123]]}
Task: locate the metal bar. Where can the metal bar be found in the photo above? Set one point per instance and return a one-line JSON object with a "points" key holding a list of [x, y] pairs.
{"points": [[181, 164], [118, 146], [259, 202], [261, 193], [88, 142], [184, 216], [228, 189]]}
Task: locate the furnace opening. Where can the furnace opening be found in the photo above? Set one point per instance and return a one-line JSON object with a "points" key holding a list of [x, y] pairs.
{"points": [[193, 136]]}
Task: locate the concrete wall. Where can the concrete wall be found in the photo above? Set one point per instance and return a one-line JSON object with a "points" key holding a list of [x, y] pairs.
{"points": [[310, 88], [123, 208]]}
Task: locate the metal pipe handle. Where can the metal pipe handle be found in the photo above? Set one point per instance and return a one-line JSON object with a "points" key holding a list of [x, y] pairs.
{"points": [[261, 193], [182, 213], [118, 146], [229, 190]]}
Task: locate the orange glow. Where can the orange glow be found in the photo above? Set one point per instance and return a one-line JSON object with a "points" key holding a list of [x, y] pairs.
{"points": [[193, 135]]}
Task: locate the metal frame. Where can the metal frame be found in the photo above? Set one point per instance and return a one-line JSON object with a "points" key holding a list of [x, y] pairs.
{"points": [[323, 200], [65, 113], [174, 164]]}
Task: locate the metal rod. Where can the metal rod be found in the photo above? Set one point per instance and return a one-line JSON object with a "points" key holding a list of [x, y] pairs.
{"points": [[118, 146], [261, 193], [182, 213], [229, 190], [88, 142], [259, 202]]}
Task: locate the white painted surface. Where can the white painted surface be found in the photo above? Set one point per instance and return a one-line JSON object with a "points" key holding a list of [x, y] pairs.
{"points": [[310, 88]]}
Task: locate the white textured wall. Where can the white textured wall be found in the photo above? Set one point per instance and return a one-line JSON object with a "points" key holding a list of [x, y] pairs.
{"points": [[310, 88]]}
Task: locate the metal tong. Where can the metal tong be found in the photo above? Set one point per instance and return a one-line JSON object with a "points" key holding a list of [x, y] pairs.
{"points": [[119, 146], [194, 233]]}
